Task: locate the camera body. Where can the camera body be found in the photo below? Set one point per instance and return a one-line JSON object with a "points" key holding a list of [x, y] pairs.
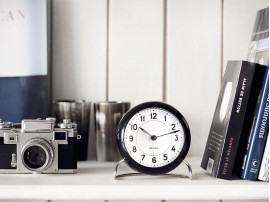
{"points": [[37, 146]]}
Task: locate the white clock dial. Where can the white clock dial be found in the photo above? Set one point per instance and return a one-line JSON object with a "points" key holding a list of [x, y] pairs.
{"points": [[154, 137]]}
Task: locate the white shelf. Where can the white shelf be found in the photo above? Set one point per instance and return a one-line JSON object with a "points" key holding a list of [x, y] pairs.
{"points": [[94, 181]]}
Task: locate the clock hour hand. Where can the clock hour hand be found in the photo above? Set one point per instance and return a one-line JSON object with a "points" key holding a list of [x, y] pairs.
{"points": [[172, 132], [145, 131]]}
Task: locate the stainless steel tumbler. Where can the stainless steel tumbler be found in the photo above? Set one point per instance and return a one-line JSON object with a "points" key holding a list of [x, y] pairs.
{"points": [[78, 112], [107, 117]]}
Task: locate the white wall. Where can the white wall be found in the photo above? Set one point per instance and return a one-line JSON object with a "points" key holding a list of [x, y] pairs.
{"points": [[134, 61]]}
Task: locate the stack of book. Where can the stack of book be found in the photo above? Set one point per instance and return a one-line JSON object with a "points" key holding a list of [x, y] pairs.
{"points": [[237, 142]]}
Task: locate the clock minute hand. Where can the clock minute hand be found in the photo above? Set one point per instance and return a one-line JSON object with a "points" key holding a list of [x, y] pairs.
{"points": [[172, 132], [145, 131]]}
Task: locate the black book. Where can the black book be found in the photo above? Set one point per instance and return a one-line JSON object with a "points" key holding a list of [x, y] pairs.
{"points": [[229, 120]]}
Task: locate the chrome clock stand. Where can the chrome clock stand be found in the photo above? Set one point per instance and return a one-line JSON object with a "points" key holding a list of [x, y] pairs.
{"points": [[118, 176]]}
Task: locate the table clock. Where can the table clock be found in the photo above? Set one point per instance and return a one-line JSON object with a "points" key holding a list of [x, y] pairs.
{"points": [[153, 138]]}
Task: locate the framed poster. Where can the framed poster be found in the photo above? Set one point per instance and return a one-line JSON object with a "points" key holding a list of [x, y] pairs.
{"points": [[24, 81]]}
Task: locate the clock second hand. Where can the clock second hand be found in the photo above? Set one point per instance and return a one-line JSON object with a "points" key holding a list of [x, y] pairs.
{"points": [[153, 148]]}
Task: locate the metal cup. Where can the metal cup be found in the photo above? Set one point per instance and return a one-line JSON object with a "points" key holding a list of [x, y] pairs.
{"points": [[107, 117], [79, 113]]}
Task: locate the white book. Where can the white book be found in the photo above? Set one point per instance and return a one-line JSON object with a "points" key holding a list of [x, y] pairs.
{"points": [[264, 169]]}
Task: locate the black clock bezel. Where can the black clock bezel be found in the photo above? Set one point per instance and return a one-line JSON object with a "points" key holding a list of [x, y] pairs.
{"points": [[129, 160]]}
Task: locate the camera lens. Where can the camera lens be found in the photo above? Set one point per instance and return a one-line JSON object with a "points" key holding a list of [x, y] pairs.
{"points": [[35, 157]]}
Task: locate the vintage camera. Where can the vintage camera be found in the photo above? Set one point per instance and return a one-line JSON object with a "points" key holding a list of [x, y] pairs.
{"points": [[37, 146]]}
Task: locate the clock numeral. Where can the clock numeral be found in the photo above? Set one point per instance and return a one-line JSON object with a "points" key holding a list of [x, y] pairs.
{"points": [[176, 137], [131, 138], [142, 118], [134, 149], [134, 127], [173, 148], [153, 115], [143, 155], [154, 160], [173, 126], [165, 157], [165, 118]]}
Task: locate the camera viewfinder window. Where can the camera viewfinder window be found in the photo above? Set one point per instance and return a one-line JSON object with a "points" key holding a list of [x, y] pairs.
{"points": [[60, 135]]}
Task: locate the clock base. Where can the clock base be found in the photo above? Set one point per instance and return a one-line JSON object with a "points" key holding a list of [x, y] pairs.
{"points": [[118, 176]]}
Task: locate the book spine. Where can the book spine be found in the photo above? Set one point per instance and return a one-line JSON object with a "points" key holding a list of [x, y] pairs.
{"points": [[218, 130], [254, 97], [264, 169], [258, 134], [234, 129]]}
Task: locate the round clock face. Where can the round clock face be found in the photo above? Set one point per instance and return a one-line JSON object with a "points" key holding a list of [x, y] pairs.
{"points": [[153, 137]]}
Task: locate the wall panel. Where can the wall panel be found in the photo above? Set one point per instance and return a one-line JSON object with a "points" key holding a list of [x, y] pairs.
{"points": [[79, 49], [239, 19], [79, 53], [135, 50], [193, 63]]}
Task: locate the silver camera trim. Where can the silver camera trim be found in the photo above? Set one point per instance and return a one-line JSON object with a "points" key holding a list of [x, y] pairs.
{"points": [[36, 125], [8, 139], [45, 146]]}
